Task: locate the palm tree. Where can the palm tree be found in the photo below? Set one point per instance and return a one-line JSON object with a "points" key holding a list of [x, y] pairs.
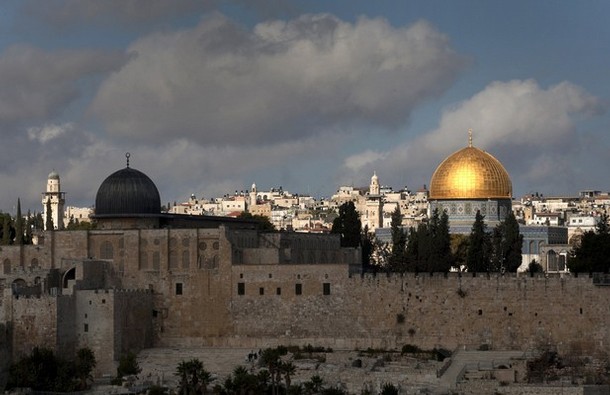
{"points": [[271, 358], [314, 385], [287, 369], [194, 379]]}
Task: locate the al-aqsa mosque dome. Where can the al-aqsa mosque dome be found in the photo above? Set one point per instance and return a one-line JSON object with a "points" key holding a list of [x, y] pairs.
{"points": [[468, 181], [127, 193]]}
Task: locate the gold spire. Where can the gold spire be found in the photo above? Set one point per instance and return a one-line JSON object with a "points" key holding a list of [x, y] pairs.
{"points": [[470, 137]]}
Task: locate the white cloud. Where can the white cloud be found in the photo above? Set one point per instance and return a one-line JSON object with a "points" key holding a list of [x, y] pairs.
{"points": [[219, 83], [532, 130], [48, 132], [360, 160]]}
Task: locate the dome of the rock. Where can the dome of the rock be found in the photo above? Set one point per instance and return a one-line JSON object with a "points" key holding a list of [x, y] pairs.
{"points": [[470, 173]]}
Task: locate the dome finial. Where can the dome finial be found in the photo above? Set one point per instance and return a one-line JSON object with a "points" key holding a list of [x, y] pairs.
{"points": [[127, 155], [470, 137]]}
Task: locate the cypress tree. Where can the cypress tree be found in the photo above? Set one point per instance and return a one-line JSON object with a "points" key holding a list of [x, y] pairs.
{"points": [[399, 243], [6, 230], [412, 251], [19, 224], [512, 243], [49, 220], [348, 225], [442, 245], [479, 247]]}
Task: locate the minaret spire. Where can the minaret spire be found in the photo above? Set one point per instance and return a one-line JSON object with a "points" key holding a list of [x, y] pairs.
{"points": [[127, 155], [470, 137]]}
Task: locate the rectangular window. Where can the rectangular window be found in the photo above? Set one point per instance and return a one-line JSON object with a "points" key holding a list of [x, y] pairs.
{"points": [[86, 328], [326, 288], [261, 291], [298, 289], [241, 288], [178, 288], [278, 291]]}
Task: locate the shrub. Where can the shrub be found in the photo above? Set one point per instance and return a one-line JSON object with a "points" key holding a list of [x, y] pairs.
{"points": [[410, 349]]}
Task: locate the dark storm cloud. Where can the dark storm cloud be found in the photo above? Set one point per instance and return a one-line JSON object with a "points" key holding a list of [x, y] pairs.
{"points": [[219, 83], [39, 84], [61, 14]]}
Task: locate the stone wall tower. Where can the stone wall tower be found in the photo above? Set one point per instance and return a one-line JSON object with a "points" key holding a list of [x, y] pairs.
{"points": [[57, 199]]}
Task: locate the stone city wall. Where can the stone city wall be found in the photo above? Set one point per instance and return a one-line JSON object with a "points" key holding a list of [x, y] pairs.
{"points": [[500, 312]]}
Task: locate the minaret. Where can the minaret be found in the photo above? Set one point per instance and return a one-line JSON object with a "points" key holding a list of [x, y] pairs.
{"points": [[57, 199], [253, 195], [374, 187], [374, 206]]}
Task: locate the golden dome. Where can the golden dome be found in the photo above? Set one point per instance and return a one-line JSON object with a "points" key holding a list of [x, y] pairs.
{"points": [[470, 173]]}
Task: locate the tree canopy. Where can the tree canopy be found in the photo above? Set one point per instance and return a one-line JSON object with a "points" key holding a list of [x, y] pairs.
{"points": [[593, 253], [348, 225]]}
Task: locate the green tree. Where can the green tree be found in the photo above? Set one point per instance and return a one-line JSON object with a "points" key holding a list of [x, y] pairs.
{"points": [[534, 267], [263, 222], [287, 369], [85, 363], [479, 246], [367, 241], [128, 366], [507, 245], [593, 253], [271, 359], [6, 229], [459, 250], [348, 225], [194, 379], [314, 385], [38, 221], [49, 220], [29, 224], [389, 389], [398, 259], [440, 258], [82, 225], [19, 224], [41, 370], [412, 250]]}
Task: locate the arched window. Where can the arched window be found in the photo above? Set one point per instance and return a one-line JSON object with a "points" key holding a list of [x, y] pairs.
{"points": [[69, 275], [156, 260], [186, 259], [143, 260], [173, 259], [532, 247], [106, 251], [551, 260], [6, 265]]}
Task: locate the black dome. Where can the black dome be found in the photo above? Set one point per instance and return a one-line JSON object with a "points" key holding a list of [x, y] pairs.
{"points": [[127, 192]]}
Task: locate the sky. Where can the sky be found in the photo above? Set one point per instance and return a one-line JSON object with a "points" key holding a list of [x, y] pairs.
{"points": [[211, 96]]}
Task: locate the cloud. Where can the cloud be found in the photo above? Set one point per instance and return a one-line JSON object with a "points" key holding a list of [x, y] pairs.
{"points": [[219, 83], [48, 132], [39, 84], [532, 130], [127, 13], [363, 159]]}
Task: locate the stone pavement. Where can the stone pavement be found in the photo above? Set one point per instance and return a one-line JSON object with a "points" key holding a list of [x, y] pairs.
{"points": [[476, 359]]}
